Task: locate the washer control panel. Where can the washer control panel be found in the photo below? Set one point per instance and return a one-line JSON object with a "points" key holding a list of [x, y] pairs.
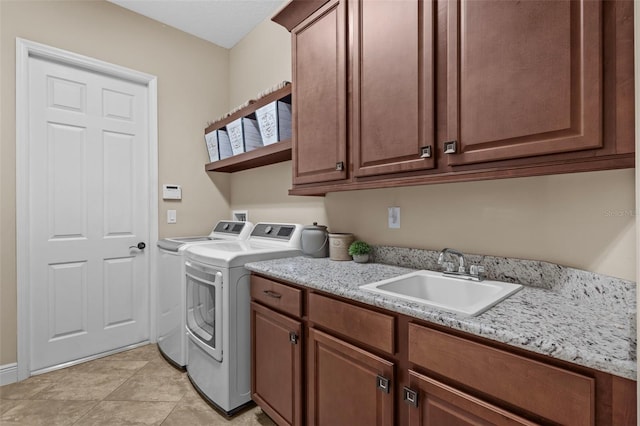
{"points": [[276, 231]]}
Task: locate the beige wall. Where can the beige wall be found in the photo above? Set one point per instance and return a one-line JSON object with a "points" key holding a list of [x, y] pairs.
{"points": [[192, 89], [260, 61], [578, 220], [582, 220]]}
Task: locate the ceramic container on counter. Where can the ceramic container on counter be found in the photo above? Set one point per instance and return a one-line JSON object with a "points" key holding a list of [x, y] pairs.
{"points": [[314, 240], [339, 246]]}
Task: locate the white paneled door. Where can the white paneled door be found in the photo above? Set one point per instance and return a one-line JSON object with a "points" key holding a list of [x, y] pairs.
{"points": [[89, 209]]}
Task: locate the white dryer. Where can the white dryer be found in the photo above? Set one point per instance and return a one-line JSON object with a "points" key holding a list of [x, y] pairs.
{"points": [[171, 305], [218, 311]]}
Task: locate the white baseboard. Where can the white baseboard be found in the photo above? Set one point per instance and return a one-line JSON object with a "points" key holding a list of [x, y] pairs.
{"points": [[8, 374]]}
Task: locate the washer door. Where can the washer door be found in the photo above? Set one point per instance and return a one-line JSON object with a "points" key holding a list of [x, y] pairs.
{"points": [[204, 307]]}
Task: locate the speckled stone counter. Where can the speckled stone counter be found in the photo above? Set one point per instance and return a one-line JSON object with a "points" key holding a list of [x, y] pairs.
{"points": [[572, 315]]}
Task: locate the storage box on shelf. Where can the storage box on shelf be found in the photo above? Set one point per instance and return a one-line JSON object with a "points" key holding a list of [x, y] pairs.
{"points": [[273, 152]]}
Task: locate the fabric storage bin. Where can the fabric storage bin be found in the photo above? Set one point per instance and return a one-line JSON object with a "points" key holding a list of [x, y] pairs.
{"points": [[274, 120], [211, 140], [224, 145], [244, 135]]}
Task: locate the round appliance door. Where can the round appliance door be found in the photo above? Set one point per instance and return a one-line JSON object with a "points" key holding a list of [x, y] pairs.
{"points": [[204, 307]]}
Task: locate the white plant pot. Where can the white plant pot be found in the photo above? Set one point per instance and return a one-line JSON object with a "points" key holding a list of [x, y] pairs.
{"points": [[361, 258]]}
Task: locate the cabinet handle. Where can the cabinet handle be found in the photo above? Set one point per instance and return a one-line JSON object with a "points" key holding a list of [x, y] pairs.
{"points": [[425, 152], [340, 166], [383, 384], [451, 147], [272, 294], [409, 396], [293, 338]]}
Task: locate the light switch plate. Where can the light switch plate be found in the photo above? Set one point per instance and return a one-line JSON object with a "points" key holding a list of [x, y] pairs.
{"points": [[171, 216], [394, 217]]}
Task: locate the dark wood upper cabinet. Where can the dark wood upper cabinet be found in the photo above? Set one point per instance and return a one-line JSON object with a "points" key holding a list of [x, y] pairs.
{"points": [[525, 78], [320, 96], [392, 118], [524, 88]]}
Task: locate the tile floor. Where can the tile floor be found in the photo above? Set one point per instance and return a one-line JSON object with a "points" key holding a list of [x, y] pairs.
{"points": [[136, 387]]}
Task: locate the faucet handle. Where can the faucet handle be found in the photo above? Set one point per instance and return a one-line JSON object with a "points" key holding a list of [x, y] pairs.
{"points": [[476, 270]]}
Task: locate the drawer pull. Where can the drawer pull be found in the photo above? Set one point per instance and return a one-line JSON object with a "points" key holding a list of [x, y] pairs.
{"points": [[425, 151], [272, 294], [410, 396], [450, 147], [382, 383]]}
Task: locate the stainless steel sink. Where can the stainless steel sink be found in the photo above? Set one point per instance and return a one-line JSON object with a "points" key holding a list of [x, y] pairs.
{"points": [[457, 295]]}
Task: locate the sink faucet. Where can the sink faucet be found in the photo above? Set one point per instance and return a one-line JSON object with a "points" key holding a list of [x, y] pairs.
{"points": [[476, 272], [454, 252]]}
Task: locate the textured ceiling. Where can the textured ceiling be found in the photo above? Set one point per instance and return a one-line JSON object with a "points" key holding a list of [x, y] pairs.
{"points": [[223, 22]]}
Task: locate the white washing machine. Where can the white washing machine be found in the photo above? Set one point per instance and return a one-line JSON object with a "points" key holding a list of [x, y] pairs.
{"points": [[171, 306], [218, 311]]}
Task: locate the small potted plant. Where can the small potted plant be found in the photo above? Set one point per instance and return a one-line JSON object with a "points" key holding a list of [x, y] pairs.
{"points": [[360, 250]]}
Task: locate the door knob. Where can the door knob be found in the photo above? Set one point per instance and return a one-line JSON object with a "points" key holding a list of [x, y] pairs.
{"points": [[139, 246]]}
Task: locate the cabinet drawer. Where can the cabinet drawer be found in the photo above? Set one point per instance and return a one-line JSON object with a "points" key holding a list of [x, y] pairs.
{"points": [[279, 296], [553, 393], [369, 327], [439, 404]]}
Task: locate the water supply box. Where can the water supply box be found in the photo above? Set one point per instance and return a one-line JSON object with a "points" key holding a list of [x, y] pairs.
{"points": [[274, 120]]}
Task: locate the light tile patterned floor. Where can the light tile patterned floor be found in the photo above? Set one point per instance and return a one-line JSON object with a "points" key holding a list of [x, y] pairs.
{"points": [[136, 387]]}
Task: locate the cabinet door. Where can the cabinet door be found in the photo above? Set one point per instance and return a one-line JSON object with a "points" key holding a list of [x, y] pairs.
{"points": [[344, 384], [276, 375], [393, 83], [438, 404], [525, 78], [319, 148]]}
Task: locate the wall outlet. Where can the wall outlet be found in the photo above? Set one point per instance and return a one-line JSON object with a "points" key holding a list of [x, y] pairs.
{"points": [[394, 217], [171, 216]]}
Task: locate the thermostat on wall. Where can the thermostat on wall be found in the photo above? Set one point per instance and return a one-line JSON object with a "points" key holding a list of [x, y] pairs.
{"points": [[171, 192]]}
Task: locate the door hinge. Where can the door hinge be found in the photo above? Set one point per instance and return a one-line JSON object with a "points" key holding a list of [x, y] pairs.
{"points": [[409, 396], [383, 383], [293, 338]]}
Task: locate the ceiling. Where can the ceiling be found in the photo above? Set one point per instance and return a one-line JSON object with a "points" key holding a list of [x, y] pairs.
{"points": [[223, 22]]}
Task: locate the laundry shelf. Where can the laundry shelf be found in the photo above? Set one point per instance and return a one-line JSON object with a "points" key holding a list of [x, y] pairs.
{"points": [[270, 154]]}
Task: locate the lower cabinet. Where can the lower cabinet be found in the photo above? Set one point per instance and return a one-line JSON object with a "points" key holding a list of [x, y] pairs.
{"points": [[276, 365], [556, 394], [321, 360], [347, 385], [434, 403]]}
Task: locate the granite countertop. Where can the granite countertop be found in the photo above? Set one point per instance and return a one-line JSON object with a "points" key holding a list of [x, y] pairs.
{"points": [[579, 325]]}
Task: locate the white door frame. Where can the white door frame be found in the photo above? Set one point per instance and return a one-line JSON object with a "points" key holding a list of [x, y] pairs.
{"points": [[24, 50]]}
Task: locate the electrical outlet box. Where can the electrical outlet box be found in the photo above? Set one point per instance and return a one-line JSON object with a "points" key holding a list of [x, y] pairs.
{"points": [[394, 217]]}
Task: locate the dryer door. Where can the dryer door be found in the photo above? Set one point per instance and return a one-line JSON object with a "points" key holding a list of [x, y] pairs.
{"points": [[204, 307]]}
